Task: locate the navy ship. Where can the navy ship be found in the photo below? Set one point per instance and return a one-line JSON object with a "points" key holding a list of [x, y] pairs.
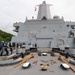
{"points": [[45, 31]]}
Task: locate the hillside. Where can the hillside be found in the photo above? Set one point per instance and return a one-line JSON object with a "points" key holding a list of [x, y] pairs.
{"points": [[4, 36]]}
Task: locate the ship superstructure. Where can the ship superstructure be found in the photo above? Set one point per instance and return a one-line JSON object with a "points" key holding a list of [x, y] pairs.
{"points": [[44, 29]]}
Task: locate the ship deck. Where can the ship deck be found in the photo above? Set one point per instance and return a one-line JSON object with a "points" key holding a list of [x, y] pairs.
{"points": [[35, 69]]}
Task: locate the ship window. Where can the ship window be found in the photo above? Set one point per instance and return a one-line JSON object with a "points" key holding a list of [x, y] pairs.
{"points": [[44, 27], [67, 25]]}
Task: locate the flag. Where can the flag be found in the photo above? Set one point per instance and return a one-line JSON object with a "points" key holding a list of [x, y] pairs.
{"points": [[35, 8]]}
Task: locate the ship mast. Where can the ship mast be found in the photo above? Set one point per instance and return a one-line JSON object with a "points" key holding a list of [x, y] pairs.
{"points": [[44, 11]]}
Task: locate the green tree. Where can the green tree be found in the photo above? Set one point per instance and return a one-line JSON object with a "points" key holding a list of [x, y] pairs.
{"points": [[4, 36]]}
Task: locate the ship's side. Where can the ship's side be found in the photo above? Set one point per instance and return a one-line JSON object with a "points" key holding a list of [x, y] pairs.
{"points": [[43, 30]]}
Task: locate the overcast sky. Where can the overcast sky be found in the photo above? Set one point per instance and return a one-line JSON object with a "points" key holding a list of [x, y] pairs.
{"points": [[12, 11]]}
